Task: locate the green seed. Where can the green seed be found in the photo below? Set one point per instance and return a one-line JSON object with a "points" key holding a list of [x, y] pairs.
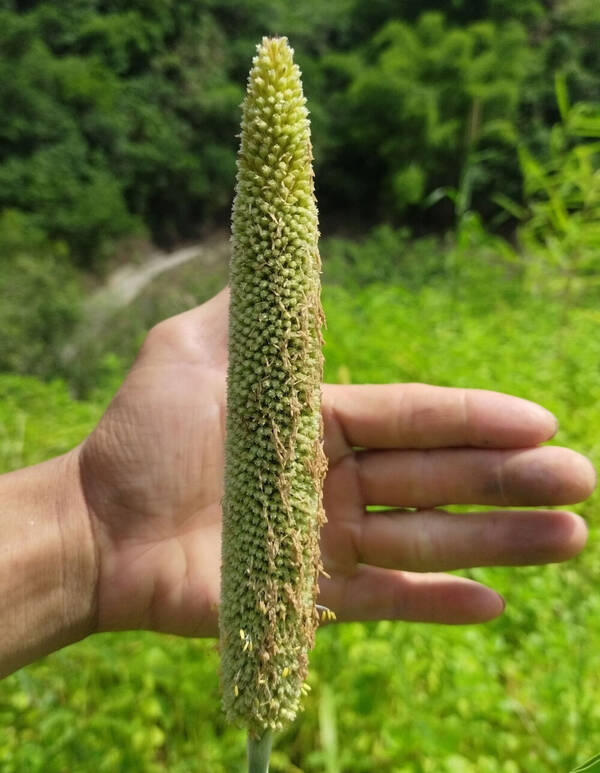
{"points": [[272, 508]]}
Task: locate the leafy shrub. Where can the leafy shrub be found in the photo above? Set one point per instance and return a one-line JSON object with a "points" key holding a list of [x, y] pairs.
{"points": [[561, 230], [388, 255], [40, 295], [40, 420]]}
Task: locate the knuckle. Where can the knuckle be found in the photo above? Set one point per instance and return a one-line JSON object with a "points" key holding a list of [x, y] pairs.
{"points": [[427, 550]]}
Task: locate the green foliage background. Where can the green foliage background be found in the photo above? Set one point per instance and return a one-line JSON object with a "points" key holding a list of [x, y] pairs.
{"points": [[458, 165]]}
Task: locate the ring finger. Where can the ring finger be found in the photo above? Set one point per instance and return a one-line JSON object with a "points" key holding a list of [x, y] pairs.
{"points": [[434, 540]]}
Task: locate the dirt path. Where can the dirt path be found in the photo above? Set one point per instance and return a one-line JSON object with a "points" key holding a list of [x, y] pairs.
{"points": [[128, 281]]}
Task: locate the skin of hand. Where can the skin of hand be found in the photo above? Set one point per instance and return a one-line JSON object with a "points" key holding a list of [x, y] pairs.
{"points": [[151, 475]]}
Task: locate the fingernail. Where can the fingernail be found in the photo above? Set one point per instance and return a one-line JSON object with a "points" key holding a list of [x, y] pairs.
{"points": [[503, 600], [543, 414]]}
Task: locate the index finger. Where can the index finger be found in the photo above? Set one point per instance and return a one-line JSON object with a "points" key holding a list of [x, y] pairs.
{"points": [[424, 416]]}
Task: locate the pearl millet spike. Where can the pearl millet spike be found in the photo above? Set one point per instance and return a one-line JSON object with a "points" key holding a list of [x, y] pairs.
{"points": [[274, 465]]}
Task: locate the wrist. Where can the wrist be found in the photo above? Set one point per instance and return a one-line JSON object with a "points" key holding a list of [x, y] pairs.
{"points": [[47, 561], [78, 558]]}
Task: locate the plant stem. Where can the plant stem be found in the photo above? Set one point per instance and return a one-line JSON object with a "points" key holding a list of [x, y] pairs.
{"points": [[259, 751]]}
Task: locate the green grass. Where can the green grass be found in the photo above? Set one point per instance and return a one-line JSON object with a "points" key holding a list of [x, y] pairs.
{"points": [[518, 695]]}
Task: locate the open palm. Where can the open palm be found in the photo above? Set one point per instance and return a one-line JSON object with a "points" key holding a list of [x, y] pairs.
{"points": [[152, 474]]}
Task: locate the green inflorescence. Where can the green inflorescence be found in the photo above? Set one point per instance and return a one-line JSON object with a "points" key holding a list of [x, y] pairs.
{"points": [[272, 508]]}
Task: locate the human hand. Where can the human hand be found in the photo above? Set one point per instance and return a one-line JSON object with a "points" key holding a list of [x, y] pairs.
{"points": [[152, 476]]}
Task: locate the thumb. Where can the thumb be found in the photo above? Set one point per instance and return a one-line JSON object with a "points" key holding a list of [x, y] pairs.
{"points": [[197, 336]]}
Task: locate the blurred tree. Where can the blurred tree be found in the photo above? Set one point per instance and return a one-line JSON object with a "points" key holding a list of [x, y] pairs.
{"points": [[440, 93], [119, 116]]}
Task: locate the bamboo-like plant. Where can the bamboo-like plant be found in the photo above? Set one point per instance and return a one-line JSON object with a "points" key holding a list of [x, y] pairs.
{"points": [[272, 508]]}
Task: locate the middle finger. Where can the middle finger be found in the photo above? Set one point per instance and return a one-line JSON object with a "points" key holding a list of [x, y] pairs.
{"points": [[545, 475]]}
